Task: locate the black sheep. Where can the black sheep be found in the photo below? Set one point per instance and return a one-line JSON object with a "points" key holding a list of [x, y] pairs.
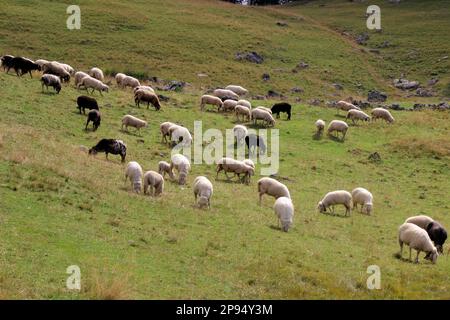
{"points": [[85, 102], [437, 234], [7, 62], [252, 141], [95, 117], [112, 146], [282, 107], [24, 65]]}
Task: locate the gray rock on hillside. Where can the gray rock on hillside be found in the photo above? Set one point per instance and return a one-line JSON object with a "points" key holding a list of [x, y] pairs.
{"points": [[250, 56]]}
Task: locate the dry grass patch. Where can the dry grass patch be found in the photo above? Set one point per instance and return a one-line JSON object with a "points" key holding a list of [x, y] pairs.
{"points": [[423, 147]]}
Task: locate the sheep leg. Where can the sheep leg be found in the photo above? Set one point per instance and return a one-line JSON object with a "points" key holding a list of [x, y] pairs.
{"points": [[410, 249], [260, 198], [87, 122], [417, 257]]}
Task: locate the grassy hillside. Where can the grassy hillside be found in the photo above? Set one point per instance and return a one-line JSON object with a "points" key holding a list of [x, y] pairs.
{"points": [[60, 207]]}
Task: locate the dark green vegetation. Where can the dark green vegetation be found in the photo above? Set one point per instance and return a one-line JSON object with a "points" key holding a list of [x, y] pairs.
{"points": [[60, 207]]}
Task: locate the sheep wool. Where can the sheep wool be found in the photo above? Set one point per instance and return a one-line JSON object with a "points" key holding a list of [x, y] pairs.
{"points": [[418, 239], [133, 172], [284, 210], [203, 190]]}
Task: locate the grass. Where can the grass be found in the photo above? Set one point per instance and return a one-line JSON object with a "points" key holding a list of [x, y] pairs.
{"points": [[60, 207]]}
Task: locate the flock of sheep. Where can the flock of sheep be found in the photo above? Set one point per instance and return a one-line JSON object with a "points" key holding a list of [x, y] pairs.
{"points": [[420, 233]]}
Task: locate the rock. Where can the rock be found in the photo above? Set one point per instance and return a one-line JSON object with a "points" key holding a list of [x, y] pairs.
{"points": [[375, 157], [282, 24], [163, 98], [338, 86], [174, 85], [443, 106], [419, 106], [384, 44], [396, 106], [297, 90], [300, 66], [250, 56], [273, 94], [405, 84], [376, 96], [422, 92], [266, 76], [361, 104], [259, 97], [362, 38], [155, 79], [315, 102], [433, 81]]}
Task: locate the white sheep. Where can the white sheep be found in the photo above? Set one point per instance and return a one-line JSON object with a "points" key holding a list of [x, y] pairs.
{"points": [[211, 100], [333, 198], [380, 113], [338, 126], [129, 120], [96, 73], [237, 89], [416, 238], [229, 105], [119, 78], [260, 114], [133, 172], [245, 103], [223, 93], [41, 62], [240, 132], [364, 198], [128, 81], [236, 167], [155, 181], [203, 189], [181, 134], [273, 188], [320, 126], [147, 96], [145, 88], [164, 129], [163, 168], [68, 68], [357, 115], [264, 108], [249, 162], [346, 106], [284, 210], [94, 84], [422, 221], [79, 75], [182, 165], [56, 69], [244, 112]]}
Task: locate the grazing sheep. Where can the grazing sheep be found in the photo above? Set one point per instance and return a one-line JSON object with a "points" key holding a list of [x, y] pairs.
{"points": [[237, 89], [119, 78], [346, 106], [203, 189], [284, 210], [225, 94], [380, 113], [112, 146], [244, 111], [211, 100], [147, 96], [133, 172], [364, 198], [129, 120], [249, 162], [229, 105], [155, 181], [94, 84], [259, 114], [95, 117], [437, 234], [357, 115], [41, 62], [163, 168], [164, 129], [79, 75], [171, 129], [334, 198], [282, 107], [182, 165], [236, 167], [245, 103], [56, 69], [253, 141], [128, 81], [85, 102], [52, 81], [68, 68], [97, 73], [265, 109], [240, 132], [145, 88], [320, 125], [422, 221], [273, 188], [23, 65], [338, 126], [6, 62], [418, 239], [181, 135]]}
